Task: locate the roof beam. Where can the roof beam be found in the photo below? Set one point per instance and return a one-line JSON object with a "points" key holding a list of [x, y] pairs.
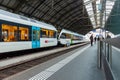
{"points": [[70, 19], [68, 12], [6, 7], [37, 6], [75, 11], [62, 8], [50, 9], [21, 2]]}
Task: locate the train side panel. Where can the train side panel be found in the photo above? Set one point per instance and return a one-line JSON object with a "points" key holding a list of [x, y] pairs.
{"points": [[47, 42], [64, 41], [14, 46]]}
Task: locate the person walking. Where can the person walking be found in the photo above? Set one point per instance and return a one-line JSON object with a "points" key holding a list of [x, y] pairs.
{"points": [[91, 40]]}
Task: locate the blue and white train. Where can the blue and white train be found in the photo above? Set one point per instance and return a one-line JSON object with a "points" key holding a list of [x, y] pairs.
{"points": [[21, 33]]}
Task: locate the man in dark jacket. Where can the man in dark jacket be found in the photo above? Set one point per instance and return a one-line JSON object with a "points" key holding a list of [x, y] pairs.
{"points": [[91, 39]]}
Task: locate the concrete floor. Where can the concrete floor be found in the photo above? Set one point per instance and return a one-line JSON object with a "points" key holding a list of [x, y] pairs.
{"points": [[82, 67], [116, 63]]}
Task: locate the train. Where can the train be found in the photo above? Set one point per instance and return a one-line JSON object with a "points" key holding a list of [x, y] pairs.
{"points": [[67, 37], [18, 33]]}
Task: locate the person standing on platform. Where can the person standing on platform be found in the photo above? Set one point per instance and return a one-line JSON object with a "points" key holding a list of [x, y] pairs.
{"points": [[98, 38], [95, 39], [91, 40]]}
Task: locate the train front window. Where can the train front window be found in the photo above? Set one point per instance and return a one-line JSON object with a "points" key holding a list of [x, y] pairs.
{"points": [[9, 33], [23, 34], [63, 36]]}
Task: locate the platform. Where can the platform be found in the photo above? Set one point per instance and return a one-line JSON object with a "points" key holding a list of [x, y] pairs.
{"points": [[20, 59], [115, 63], [80, 64]]}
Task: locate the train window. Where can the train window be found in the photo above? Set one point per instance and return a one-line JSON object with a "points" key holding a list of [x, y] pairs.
{"points": [[55, 34], [68, 36], [44, 33], [75, 37], [52, 34], [9, 33], [38, 35], [23, 34], [34, 35]]}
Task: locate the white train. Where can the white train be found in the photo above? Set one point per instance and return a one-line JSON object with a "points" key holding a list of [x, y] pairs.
{"points": [[21, 33], [67, 37]]}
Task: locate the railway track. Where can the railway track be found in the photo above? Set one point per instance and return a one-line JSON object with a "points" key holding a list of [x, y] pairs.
{"points": [[16, 68], [25, 52]]}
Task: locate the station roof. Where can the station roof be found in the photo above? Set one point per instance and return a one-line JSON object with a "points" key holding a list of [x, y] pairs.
{"points": [[68, 14]]}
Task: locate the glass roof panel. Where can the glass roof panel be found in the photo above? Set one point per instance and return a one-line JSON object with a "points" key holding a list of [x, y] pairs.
{"points": [[109, 6], [89, 7]]}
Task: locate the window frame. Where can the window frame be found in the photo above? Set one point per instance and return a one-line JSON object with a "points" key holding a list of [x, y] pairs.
{"points": [[14, 24], [9, 25], [48, 36], [29, 32]]}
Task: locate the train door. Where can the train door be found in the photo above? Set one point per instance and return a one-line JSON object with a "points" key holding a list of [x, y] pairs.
{"points": [[35, 37]]}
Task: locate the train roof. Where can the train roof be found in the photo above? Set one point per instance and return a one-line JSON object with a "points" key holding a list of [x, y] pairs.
{"points": [[8, 16], [66, 31], [70, 32]]}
